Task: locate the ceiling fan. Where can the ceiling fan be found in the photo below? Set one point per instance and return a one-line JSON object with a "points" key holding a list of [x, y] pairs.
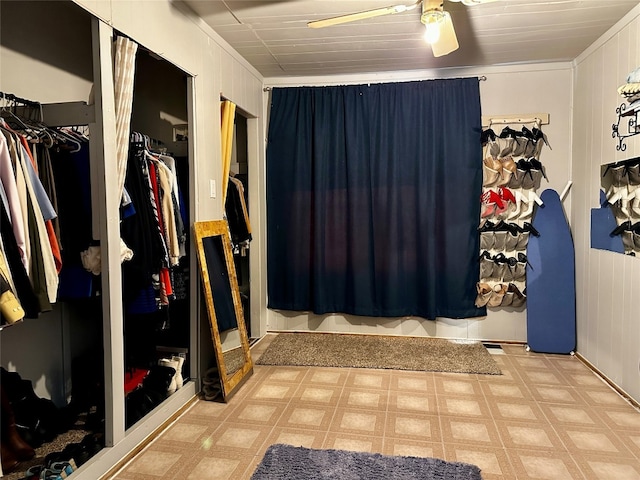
{"points": [[439, 31]]}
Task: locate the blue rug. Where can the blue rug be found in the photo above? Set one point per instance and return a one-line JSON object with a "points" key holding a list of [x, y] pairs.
{"points": [[282, 462]]}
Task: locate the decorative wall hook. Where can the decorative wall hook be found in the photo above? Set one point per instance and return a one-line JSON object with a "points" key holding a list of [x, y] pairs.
{"points": [[632, 125]]}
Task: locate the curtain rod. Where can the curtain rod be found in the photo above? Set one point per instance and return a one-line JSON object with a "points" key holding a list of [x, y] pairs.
{"points": [[481, 78]]}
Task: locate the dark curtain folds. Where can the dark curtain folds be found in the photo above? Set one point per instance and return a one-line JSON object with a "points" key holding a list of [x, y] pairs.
{"points": [[373, 199]]}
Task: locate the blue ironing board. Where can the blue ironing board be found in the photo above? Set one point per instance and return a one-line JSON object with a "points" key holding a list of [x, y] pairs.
{"points": [[551, 286]]}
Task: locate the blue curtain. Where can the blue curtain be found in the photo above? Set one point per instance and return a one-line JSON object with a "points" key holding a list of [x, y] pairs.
{"points": [[373, 199]]}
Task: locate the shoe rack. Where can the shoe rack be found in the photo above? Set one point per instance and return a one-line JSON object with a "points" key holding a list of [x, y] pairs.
{"points": [[511, 176], [621, 184]]}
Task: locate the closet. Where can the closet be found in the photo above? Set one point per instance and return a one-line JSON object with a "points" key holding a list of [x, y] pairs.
{"points": [[56, 54]]}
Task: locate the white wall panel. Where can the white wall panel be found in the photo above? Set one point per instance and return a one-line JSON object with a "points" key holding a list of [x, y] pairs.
{"points": [[227, 85], [608, 322]]}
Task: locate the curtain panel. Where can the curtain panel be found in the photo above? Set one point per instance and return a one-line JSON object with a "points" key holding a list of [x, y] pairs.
{"points": [[228, 115], [373, 199]]}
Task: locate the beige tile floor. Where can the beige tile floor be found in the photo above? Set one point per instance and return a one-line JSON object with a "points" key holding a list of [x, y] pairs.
{"points": [[546, 417]]}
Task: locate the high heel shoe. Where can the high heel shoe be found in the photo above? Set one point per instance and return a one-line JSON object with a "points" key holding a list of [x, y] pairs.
{"points": [[497, 295], [624, 226], [491, 171], [519, 298], [486, 265], [487, 226], [179, 378], [527, 227], [170, 363], [484, 294], [491, 201], [499, 266]]}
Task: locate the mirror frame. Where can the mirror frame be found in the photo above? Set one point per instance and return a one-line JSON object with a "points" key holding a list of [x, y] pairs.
{"points": [[219, 228]]}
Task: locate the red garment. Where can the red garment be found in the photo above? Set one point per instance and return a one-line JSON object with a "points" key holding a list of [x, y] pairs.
{"points": [[166, 290]]}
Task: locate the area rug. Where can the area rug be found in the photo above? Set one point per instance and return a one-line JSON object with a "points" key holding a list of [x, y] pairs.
{"points": [[378, 351], [282, 462]]}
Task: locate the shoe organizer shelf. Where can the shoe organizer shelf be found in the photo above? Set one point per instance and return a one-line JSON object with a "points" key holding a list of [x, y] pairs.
{"points": [[512, 173], [621, 186]]}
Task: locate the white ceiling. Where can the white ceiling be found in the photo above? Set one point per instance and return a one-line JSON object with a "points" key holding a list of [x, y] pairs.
{"points": [[273, 36]]}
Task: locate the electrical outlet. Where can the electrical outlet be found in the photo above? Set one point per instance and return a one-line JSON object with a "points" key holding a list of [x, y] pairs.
{"points": [[212, 188]]}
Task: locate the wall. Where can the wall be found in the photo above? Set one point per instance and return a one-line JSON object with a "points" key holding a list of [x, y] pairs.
{"points": [[544, 88], [606, 282]]}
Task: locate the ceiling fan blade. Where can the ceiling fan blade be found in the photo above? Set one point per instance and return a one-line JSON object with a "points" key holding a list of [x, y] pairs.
{"points": [[352, 17], [448, 42]]}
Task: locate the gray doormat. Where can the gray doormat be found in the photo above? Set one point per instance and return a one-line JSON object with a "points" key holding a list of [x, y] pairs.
{"points": [[377, 351], [282, 462]]}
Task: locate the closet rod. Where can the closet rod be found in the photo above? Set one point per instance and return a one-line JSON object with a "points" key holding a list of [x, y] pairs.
{"points": [[481, 78], [13, 98], [540, 118]]}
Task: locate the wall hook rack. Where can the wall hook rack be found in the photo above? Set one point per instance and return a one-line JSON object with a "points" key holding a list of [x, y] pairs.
{"points": [[632, 125]]}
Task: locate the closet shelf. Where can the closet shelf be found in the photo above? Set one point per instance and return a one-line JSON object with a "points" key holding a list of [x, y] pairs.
{"points": [[68, 114]]}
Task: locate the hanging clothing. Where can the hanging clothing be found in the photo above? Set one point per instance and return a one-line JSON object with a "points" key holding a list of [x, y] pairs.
{"points": [[237, 214], [14, 206], [73, 196]]}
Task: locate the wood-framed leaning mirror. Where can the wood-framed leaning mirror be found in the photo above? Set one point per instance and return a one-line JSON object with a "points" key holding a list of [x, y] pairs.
{"points": [[224, 305]]}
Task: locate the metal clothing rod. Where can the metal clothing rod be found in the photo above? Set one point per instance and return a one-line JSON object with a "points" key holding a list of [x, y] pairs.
{"points": [[481, 78], [13, 98]]}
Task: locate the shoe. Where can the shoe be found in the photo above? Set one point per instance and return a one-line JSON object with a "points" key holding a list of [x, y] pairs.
{"points": [[170, 363], [497, 295], [520, 268], [486, 240], [160, 379], [510, 271], [540, 140], [487, 226], [486, 265], [499, 239], [523, 240], [211, 392], [527, 227], [491, 174], [8, 458], [488, 136], [484, 294], [519, 298], [628, 241], [633, 174], [624, 226], [520, 146], [11, 438], [511, 242], [179, 377], [60, 467], [519, 201], [506, 195], [490, 201], [499, 266], [507, 300], [619, 176]]}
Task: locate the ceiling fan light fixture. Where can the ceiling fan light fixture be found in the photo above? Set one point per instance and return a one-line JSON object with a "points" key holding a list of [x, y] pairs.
{"points": [[433, 21]]}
